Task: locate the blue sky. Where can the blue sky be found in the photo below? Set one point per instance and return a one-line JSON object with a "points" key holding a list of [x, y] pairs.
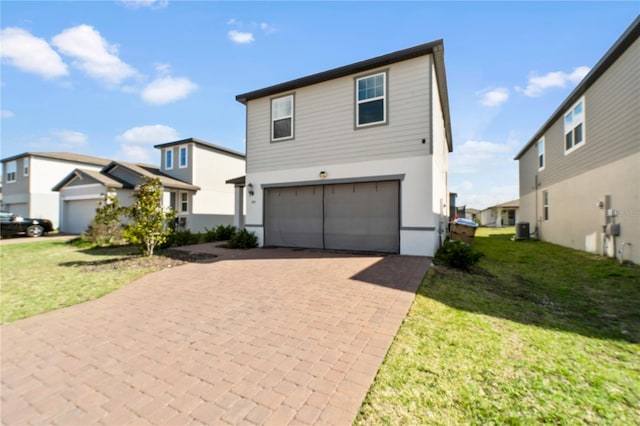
{"points": [[113, 78]]}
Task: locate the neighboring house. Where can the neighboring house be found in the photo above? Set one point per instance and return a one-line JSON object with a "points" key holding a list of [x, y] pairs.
{"points": [[354, 158], [28, 179], [505, 214], [580, 173], [207, 166], [81, 190], [472, 214]]}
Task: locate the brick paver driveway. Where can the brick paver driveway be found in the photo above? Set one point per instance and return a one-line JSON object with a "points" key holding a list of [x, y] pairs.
{"points": [[279, 337]]}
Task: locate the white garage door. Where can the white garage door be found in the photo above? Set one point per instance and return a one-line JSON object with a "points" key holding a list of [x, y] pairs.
{"points": [[360, 216], [77, 215]]}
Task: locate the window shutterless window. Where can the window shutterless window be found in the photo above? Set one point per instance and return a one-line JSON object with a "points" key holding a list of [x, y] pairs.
{"points": [[168, 158], [12, 167], [574, 127], [184, 202], [25, 167], [540, 146], [172, 200], [183, 156], [371, 99], [545, 204], [282, 118]]}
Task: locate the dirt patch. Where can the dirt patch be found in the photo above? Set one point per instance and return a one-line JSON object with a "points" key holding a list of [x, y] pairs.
{"points": [[163, 260]]}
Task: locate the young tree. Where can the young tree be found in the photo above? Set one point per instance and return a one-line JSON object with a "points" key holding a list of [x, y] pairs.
{"points": [[106, 227], [149, 221]]}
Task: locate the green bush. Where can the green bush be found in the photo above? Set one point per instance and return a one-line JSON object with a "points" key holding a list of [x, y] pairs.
{"points": [[457, 254], [183, 238], [243, 240], [220, 233]]}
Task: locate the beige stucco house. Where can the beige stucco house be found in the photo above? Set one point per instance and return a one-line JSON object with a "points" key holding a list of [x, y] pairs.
{"points": [[354, 158], [580, 173], [503, 214]]}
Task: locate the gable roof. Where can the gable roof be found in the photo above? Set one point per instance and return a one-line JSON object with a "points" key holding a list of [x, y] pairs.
{"points": [[146, 170], [196, 141], [630, 35], [436, 48], [64, 156], [96, 176]]}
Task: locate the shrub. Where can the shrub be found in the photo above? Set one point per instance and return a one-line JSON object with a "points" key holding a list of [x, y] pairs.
{"points": [[457, 254], [220, 233], [243, 240], [106, 227], [184, 238]]}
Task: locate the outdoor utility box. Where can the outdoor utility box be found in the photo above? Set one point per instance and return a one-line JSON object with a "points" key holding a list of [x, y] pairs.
{"points": [[463, 230], [612, 229], [522, 231]]}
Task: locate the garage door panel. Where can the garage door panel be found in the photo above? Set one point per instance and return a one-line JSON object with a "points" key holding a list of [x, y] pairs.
{"points": [[78, 215], [293, 217], [362, 216]]}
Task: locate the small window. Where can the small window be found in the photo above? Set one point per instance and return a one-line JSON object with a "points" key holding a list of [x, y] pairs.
{"points": [[282, 118], [371, 94], [183, 156], [172, 201], [25, 167], [545, 204], [12, 167], [541, 154], [574, 127], [168, 159], [184, 202]]}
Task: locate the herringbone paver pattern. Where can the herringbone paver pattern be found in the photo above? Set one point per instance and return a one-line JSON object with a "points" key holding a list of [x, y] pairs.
{"points": [[281, 337]]}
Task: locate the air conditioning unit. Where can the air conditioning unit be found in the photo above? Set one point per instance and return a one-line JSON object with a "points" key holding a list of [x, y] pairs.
{"points": [[522, 231]]}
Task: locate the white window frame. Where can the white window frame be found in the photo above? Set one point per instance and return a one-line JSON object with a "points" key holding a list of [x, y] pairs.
{"points": [[25, 166], [571, 121], [168, 159], [545, 205], [376, 98], [183, 202], [541, 154], [186, 157], [12, 171], [283, 117]]}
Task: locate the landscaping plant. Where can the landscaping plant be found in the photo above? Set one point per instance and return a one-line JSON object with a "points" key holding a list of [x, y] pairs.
{"points": [[457, 254], [106, 227]]}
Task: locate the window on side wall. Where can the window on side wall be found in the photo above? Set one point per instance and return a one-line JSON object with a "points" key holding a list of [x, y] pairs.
{"points": [[168, 159], [172, 201], [574, 135], [545, 205], [371, 100], [540, 146], [12, 167], [183, 157], [25, 167], [184, 202], [282, 118]]}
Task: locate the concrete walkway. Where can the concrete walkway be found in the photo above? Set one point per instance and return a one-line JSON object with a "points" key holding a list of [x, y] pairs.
{"points": [[265, 336]]}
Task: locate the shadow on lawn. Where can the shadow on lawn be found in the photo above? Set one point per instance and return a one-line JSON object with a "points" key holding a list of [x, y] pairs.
{"points": [[544, 285]]}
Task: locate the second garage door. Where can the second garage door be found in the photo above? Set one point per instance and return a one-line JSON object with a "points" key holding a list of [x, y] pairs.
{"points": [[356, 216], [77, 215]]}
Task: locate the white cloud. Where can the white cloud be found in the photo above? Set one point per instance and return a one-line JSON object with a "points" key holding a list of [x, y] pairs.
{"points": [[136, 144], [93, 54], [138, 4], [240, 37], [70, 138], [477, 156], [537, 85], [495, 97], [59, 140], [267, 28], [166, 89], [31, 54], [5, 113]]}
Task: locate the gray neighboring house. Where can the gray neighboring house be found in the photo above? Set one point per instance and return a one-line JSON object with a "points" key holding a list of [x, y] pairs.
{"points": [[81, 190], [29, 177], [580, 173], [503, 214], [354, 158]]}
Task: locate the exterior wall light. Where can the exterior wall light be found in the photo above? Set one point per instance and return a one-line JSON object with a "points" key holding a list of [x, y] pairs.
{"points": [[250, 189], [323, 174]]}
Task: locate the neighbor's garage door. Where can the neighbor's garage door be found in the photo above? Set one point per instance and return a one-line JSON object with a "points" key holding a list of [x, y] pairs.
{"points": [[356, 216], [78, 215]]}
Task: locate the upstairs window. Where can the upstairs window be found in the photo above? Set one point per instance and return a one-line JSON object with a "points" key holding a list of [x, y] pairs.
{"points": [[183, 157], [168, 158], [25, 167], [12, 167], [371, 98], [282, 118], [540, 146], [574, 127]]}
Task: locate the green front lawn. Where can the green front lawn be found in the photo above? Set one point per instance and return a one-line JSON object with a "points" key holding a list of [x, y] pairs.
{"points": [[537, 333], [41, 276]]}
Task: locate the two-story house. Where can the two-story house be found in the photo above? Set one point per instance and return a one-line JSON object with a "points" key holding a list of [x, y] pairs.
{"points": [[580, 173], [192, 173], [354, 158], [29, 177]]}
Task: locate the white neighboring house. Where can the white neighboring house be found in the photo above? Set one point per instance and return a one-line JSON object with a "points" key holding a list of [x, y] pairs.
{"points": [[504, 214], [354, 158], [580, 172], [28, 179]]}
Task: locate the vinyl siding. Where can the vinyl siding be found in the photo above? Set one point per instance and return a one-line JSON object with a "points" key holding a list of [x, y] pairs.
{"points": [[612, 126], [324, 122], [184, 174]]}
